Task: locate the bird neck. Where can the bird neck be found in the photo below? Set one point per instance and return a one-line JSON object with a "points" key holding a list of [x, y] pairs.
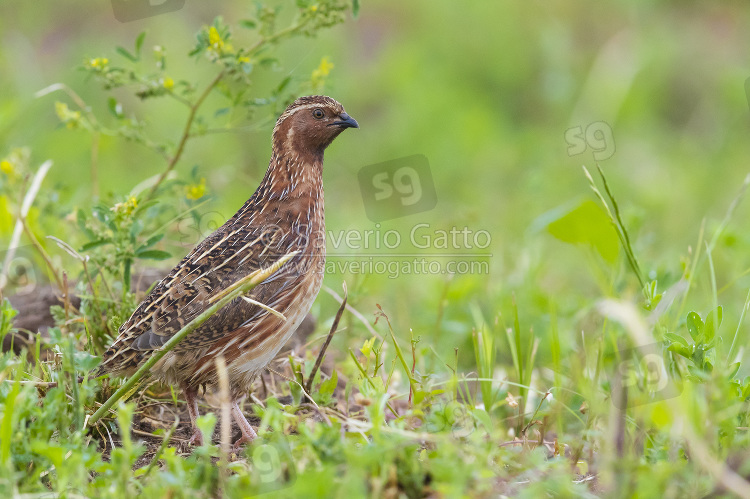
{"points": [[290, 194], [293, 176]]}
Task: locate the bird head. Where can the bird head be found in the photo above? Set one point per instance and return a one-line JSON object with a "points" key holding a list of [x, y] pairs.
{"points": [[310, 124]]}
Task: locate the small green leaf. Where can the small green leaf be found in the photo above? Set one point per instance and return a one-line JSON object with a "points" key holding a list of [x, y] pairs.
{"points": [[268, 62], [680, 349], [355, 8], [710, 330], [115, 108], [146, 205], [104, 215], [586, 224], [296, 392], [733, 370], [135, 229], [699, 374], [139, 44], [81, 221], [7, 313], [123, 52], [328, 386], [206, 425], [248, 23], [95, 244], [483, 417], [676, 338], [695, 326], [84, 361], [150, 242], [153, 254], [283, 84]]}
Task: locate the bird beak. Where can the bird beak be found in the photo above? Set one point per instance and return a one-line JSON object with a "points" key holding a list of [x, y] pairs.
{"points": [[345, 122]]}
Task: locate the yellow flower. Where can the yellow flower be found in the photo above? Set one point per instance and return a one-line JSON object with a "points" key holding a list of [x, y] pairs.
{"points": [[325, 67], [196, 191], [367, 347], [319, 74], [70, 118], [7, 167], [62, 110], [99, 62], [168, 83], [217, 44], [214, 38], [243, 59], [126, 208], [314, 8]]}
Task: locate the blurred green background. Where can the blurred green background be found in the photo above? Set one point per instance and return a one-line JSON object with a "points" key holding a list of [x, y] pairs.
{"points": [[486, 91]]}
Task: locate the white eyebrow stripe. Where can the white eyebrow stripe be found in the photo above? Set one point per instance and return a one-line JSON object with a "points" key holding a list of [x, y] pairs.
{"points": [[306, 106], [299, 108]]}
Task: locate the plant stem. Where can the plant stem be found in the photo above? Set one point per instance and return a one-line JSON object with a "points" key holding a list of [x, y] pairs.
{"points": [[35, 242], [248, 283], [186, 133], [367, 378], [275, 37], [127, 263], [334, 327]]}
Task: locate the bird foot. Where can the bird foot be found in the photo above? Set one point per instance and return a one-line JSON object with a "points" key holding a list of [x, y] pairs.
{"points": [[248, 434], [237, 446]]}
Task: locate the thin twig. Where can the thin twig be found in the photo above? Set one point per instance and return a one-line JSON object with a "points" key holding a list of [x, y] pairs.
{"points": [[275, 37], [321, 354], [185, 133], [531, 419], [356, 313], [73, 95], [45, 256], [619, 229]]}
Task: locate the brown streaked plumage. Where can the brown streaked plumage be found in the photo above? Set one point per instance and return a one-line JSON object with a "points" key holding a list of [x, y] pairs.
{"points": [[284, 214]]}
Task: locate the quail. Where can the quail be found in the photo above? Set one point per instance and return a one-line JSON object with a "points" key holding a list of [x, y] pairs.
{"points": [[285, 214]]}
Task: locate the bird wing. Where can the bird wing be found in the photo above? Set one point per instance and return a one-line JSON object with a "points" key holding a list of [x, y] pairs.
{"points": [[218, 262]]}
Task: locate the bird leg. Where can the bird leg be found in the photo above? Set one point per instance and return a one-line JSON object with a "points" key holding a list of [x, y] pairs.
{"points": [[248, 434], [192, 404]]}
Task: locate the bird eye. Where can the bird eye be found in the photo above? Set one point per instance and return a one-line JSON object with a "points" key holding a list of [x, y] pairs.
{"points": [[318, 114]]}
